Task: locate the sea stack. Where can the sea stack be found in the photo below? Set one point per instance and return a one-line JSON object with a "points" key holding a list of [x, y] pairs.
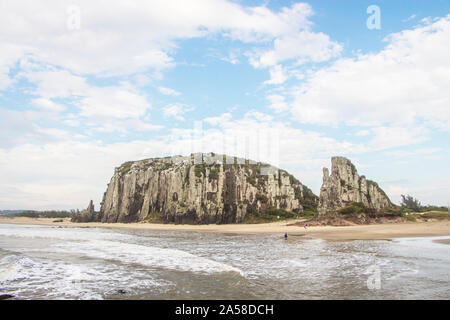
{"points": [[344, 186], [201, 188]]}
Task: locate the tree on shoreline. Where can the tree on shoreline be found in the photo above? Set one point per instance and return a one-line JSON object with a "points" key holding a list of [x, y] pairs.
{"points": [[410, 202]]}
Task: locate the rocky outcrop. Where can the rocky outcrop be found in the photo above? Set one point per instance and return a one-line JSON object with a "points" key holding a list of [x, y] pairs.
{"points": [[200, 189], [344, 186], [87, 215]]}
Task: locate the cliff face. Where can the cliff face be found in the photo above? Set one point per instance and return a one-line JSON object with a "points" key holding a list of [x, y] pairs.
{"points": [[201, 188], [345, 186]]}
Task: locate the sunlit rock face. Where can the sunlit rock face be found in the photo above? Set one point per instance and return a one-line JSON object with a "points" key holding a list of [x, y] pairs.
{"points": [[345, 186], [199, 189]]}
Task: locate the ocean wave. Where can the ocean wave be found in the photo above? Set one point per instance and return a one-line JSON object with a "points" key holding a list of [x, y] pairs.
{"points": [[102, 244], [148, 256], [54, 279]]}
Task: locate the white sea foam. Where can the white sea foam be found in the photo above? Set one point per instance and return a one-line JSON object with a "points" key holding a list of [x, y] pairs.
{"points": [[11, 267], [98, 243], [60, 280], [8, 272], [154, 257]]}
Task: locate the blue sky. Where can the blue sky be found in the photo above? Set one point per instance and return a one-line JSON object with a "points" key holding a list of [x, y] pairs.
{"points": [[85, 87]]}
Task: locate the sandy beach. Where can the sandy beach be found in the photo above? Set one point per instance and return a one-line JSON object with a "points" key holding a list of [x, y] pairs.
{"points": [[358, 232]]}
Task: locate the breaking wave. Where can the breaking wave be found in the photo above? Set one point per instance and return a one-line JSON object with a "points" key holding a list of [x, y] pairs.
{"points": [[98, 244]]}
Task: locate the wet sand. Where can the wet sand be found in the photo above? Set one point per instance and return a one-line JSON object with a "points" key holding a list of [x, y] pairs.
{"points": [[358, 232], [443, 241]]}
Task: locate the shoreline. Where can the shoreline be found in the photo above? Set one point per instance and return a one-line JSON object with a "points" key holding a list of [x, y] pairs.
{"points": [[358, 232]]}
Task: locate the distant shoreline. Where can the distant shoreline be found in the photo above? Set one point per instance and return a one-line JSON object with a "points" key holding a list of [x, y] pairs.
{"points": [[357, 232]]}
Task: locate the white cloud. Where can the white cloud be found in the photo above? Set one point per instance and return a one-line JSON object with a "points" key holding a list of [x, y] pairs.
{"points": [[277, 75], [72, 122], [142, 80], [232, 57], [18, 127], [56, 83], [429, 191], [151, 27], [214, 121], [64, 174], [411, 17], [176, 110], [113, 102], [391, 137], [9, 53], [363, 133], [168, 91], [413, 153], [302, 47], [277, 103], [405, 82], [123, 126], [47, 104], [295, 143], [258, 116], [108, 109]]}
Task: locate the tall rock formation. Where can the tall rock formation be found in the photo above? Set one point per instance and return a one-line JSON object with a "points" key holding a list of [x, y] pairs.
{"points": [[87, 215], [345, 186], [200, 188]]}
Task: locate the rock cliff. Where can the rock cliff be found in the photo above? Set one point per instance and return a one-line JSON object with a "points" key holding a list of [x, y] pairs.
{"points": [[200, 188], [344, 186]]}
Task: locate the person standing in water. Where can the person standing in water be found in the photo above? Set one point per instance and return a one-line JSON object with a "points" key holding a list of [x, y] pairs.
{"points": [[285, 236]]}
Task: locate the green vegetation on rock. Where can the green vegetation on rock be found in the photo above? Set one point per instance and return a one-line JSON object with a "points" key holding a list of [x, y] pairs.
{"points": [[270, 215], [262, 197], [154, 217], [310, 200], [213, 174], [125, 168], [272, 211], [438, 215], [354, 208], [200, 170]]}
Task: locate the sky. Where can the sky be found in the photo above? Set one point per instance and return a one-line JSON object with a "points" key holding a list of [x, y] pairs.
{"points": [[86, 86]]}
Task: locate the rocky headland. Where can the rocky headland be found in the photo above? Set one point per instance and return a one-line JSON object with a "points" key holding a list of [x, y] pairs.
{"points": [[202, 188], [208, 188]]}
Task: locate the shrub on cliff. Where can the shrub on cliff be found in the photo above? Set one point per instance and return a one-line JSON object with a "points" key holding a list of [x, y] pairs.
{"points": [[213, 174], [308, 214], [272, 211], [126, 167], [261, 197], [354, 208], [154, 217], [200, 169]]}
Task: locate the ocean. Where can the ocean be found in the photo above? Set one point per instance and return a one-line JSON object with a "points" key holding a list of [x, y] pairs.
{"points": [[45, 262]]}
